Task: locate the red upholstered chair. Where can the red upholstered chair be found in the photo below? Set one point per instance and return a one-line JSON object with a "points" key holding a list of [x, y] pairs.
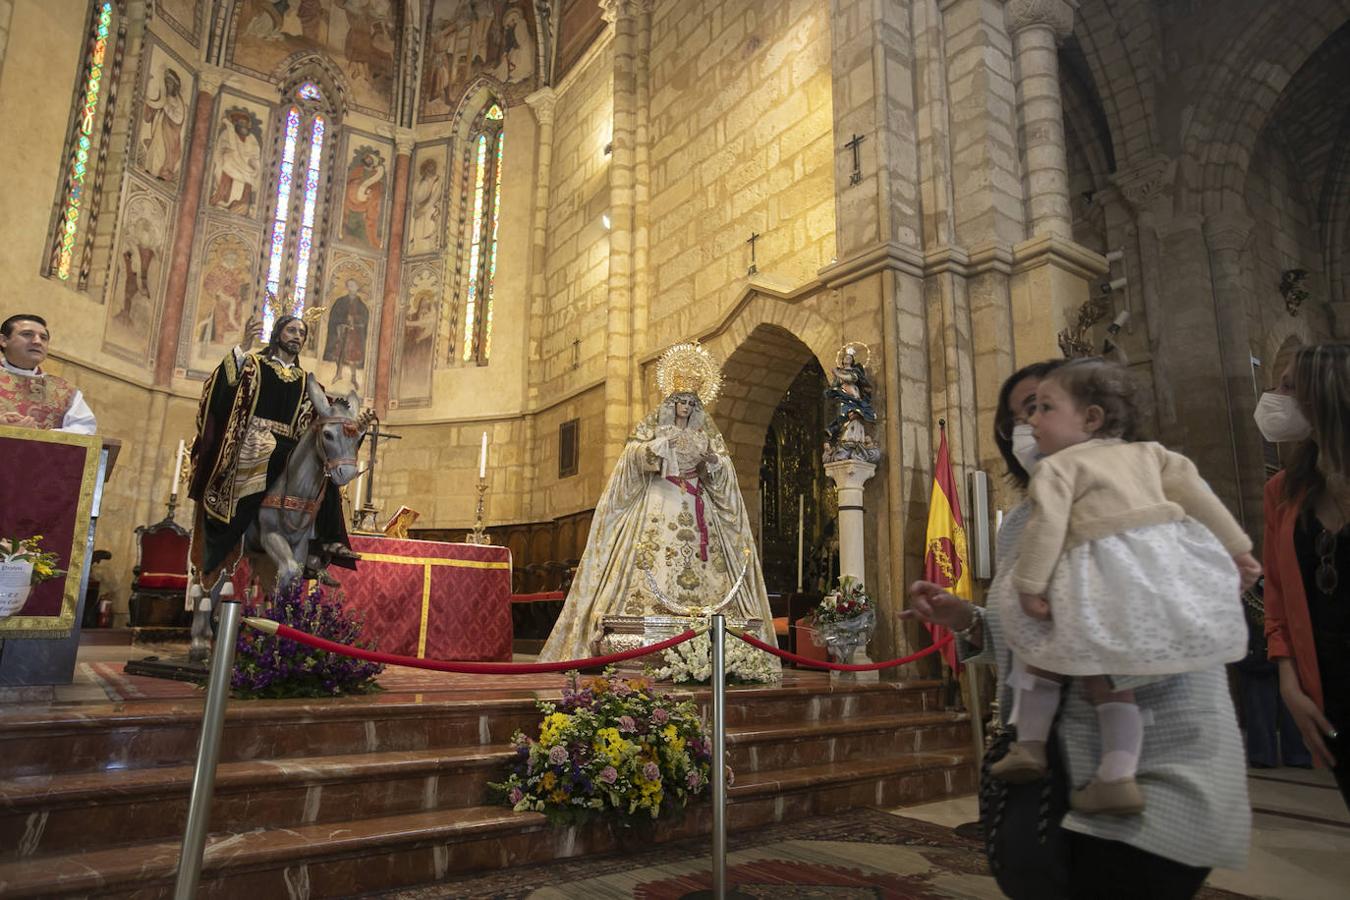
{"points": [[160, 577]]}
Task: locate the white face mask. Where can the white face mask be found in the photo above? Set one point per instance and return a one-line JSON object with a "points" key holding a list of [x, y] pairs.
{"points": [[1024, 447], [1280, 419]]}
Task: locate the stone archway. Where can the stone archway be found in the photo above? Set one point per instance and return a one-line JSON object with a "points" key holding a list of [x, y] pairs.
{"points": [[755, 376]]}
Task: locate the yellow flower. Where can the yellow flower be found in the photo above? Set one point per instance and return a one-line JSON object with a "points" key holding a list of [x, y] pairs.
{"points": [[551, 726], [612, 745], [548, 781], [673, 738]]}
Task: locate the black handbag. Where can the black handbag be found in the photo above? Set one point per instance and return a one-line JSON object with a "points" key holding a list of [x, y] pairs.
{"points": [[1028, 851]]}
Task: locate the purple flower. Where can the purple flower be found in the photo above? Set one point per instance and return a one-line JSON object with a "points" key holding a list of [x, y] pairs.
{"points": [[693, 780], [557, 756], [609, 774], [621, 689], [626, 723], [660, 716], [651, 771], [516, 795]]}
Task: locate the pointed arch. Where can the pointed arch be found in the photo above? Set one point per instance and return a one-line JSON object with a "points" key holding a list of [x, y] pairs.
{"points": [[482, 138], [311, 107]]}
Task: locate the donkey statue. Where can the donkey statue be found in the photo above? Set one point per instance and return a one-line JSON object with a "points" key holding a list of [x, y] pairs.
{"points": [[277, 544]]}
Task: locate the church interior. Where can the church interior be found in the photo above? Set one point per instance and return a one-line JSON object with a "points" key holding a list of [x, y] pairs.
{"points": [[493, 218]]}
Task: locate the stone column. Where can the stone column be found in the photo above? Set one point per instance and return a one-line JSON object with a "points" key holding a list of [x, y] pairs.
{"points": [[619, 362], [542, 102], [209, 81], [642, 273], [393, 272], [877, 278], [1037, 27], [849, 476], [1227, 235]]}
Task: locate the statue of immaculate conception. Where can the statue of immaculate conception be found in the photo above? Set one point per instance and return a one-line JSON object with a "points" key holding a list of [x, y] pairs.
{"points": [[670, 534]]}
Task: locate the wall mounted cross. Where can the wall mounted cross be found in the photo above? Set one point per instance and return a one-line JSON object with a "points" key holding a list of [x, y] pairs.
{"points": [[754, 236], [853, 145]]}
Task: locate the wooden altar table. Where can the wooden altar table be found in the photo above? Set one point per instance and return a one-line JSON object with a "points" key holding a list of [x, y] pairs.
{"points": [[430, 599]]}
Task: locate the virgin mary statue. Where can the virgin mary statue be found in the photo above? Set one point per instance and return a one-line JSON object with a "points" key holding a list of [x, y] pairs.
{"points": [[670, 535]]}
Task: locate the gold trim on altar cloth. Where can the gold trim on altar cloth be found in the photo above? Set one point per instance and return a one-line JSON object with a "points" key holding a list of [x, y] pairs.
{"points": [[59, 626], [426, 562]]}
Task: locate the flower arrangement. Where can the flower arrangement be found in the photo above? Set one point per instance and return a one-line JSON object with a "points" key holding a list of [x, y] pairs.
{"points": [[266, 666], [612, 746], [848, 601], [27, 550], [692, 662]]}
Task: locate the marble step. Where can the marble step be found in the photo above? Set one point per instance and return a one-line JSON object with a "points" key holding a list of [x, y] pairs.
{"points": [[340, 859], [164, 733], [51, 814]]}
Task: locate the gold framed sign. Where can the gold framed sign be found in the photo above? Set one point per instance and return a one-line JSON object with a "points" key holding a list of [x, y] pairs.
{"points": [[47, 485]]}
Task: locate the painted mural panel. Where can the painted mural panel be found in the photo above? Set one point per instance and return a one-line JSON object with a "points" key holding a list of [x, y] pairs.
{"points": [[234, 183], [181, 15], [416, 331], [345, 342], [226, 294], [365, 186], [361, 36], [137, 283], [471, 39], [426, 214], [162, 116]]}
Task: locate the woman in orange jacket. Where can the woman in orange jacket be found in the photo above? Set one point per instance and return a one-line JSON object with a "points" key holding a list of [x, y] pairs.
{"points": [[1307, 550]]}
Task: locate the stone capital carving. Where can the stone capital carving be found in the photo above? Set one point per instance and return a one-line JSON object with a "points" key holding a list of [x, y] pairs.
{"points": [[1147, 184], [405, 139], [542, 102], [1228, 230], [210, 79], [1057, 15], [613, 10]]}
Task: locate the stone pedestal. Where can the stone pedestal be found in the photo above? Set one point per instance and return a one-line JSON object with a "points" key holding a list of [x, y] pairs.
{"points": [[849, 477]]}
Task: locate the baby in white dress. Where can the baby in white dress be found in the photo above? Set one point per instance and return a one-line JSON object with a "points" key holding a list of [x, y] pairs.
{"points": [[1129, 566]]}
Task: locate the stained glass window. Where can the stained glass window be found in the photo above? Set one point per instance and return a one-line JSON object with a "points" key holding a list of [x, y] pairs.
{"points": [[79, 167], [482, 269], [299, 179]]}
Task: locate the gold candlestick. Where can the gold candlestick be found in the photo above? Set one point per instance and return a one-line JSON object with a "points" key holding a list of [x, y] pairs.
{"points": [[478, 535]]}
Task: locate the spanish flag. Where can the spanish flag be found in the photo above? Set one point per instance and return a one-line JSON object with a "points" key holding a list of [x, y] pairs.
{"points": [[946, 558]]}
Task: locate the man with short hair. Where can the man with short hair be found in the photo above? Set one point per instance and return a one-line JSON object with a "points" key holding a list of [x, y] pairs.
{"points": [[29, 397]]}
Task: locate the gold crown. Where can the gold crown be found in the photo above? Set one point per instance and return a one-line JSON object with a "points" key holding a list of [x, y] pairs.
{"points": [[282, 307], [688, 368]]}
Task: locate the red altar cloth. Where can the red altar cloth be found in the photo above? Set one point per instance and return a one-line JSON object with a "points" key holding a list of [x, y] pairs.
{"points": [[431, 600]]}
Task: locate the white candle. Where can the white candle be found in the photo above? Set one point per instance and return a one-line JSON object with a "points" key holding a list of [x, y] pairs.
{"points": [[998, 520], [482, 458], [360, 483], [177, 467], [801, 528]]}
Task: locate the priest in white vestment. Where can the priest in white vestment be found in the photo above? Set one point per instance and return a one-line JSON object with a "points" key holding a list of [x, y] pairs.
{"points": [[670, 533]]}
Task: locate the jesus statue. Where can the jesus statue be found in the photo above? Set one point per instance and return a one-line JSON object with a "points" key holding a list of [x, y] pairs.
{"points": [[670, 534]]}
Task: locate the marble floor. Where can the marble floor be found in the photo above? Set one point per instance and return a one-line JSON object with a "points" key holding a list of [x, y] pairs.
{"points": [[1300, 836]]}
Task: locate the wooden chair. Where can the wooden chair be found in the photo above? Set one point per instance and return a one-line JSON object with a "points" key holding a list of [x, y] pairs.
{"points": [[160, 576]]}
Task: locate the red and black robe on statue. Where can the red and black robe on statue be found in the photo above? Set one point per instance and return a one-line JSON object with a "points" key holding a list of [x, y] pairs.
{"points": [[253, 412]]}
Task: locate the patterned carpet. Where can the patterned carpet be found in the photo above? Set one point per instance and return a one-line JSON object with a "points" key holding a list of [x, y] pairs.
{"points": [[865, 853]]}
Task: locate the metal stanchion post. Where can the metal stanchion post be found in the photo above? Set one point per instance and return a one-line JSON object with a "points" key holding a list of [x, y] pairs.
{"points": [[719, 754], [208, 750]]}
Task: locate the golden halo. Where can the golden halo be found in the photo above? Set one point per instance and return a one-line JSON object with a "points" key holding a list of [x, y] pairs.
{"points": [[688, 368], [862, 353]]}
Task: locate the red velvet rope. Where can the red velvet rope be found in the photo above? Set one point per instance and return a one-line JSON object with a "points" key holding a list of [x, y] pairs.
{"points": [[840, 667], [473, 668]]}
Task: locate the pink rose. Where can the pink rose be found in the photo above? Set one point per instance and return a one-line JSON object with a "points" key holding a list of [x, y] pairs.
{"points": [[651, 771], [626, 723], [516, 795], [660, 716], [609, 774]]}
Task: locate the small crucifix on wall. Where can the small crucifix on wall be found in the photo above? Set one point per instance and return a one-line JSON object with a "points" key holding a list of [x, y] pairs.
{"points": [[754, 236], [576, 353], [853, 145]]}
